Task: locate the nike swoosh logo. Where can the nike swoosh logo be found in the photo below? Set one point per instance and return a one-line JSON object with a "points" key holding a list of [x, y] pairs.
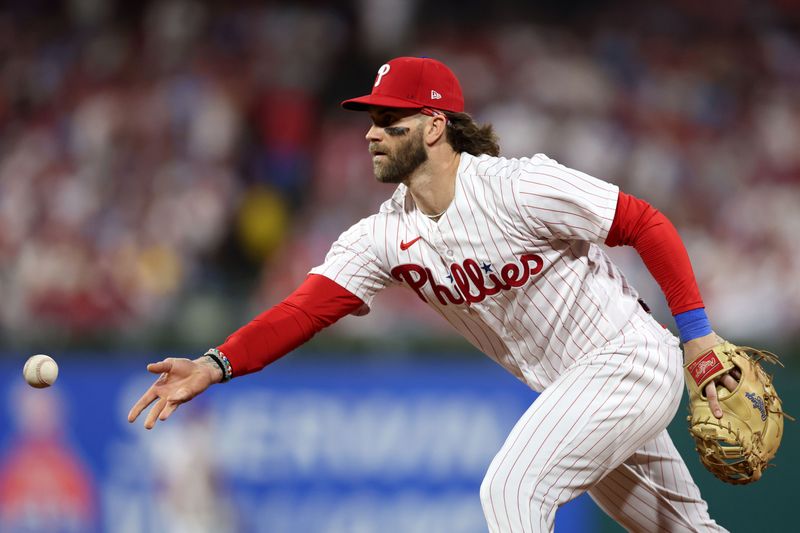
{"points": [[406, 245]]}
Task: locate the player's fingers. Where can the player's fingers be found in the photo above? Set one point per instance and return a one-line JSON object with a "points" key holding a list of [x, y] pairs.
{"points": [[152, 416], [711, 394], [736, 373], [146, 399], [160, 366], [168, 410], [729, 382]]}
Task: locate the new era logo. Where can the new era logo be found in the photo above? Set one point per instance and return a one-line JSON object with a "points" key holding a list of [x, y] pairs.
{"points": [[435, 95]]}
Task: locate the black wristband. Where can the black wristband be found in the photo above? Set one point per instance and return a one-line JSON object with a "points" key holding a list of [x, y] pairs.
{"points": [[223, 363]]}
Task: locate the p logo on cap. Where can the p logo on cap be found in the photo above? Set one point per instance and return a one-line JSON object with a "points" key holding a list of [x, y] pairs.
{"points": [[383, 71]]}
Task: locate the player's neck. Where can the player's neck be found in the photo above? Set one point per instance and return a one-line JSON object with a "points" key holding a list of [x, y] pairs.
{"points": [[433, 185]]}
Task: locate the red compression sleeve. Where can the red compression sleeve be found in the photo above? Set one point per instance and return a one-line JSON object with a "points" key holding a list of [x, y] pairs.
{"points": [[316, 304], [638, 224]]}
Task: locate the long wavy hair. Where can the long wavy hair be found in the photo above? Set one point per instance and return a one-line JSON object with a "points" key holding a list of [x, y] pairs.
{"points": [[465, 135]]}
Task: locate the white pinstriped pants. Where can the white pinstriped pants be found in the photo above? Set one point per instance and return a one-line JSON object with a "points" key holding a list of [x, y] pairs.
{"points": [[601, 427]]}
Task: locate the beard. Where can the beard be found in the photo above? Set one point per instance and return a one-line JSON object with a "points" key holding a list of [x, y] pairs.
{"points": [[397, 167]]}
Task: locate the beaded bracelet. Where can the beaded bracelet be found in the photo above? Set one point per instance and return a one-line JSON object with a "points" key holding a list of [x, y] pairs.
{"points": [[223, 363]]}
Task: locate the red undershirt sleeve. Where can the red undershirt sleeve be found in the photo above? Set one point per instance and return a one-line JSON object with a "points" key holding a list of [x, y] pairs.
{"points": [[316, 304], [652, 235]]}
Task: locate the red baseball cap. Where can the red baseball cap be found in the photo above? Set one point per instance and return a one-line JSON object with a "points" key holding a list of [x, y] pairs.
{"points": [[410, 83]]}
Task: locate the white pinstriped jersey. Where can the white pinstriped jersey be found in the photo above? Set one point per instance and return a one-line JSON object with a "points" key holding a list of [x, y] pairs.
{"points": [[513, 264]]}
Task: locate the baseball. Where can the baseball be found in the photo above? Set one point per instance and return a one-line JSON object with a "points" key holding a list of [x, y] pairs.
{"points": [[40, 371]]}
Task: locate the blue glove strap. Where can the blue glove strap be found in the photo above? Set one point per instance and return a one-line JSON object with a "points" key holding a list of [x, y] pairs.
{"points": [[693, 324]]}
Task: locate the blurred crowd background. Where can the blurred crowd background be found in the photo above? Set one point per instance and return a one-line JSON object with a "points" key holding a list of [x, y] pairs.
{"points": [[170, 168]]}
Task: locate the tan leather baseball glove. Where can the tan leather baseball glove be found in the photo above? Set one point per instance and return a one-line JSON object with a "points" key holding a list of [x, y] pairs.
{"points": [[737, 447]]}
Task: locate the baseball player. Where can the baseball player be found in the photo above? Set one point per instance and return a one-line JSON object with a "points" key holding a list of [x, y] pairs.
{"points": [[508, 251]]}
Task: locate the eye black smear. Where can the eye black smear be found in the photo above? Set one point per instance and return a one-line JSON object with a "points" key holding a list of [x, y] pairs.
{"points": [[396, 131]]}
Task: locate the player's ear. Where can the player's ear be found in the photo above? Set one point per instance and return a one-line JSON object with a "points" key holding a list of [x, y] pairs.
{"points": [[435, 128]]}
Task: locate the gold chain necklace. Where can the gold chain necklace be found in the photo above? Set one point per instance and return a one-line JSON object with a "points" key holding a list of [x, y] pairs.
{"points": [[434, 217]]}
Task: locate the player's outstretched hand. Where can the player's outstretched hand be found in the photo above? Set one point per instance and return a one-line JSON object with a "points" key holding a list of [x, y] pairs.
{"points": [[695, 347], [180, 381]]}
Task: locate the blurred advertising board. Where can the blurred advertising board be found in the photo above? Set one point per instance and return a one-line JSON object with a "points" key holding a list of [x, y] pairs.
{"points": [[311, 444]]}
